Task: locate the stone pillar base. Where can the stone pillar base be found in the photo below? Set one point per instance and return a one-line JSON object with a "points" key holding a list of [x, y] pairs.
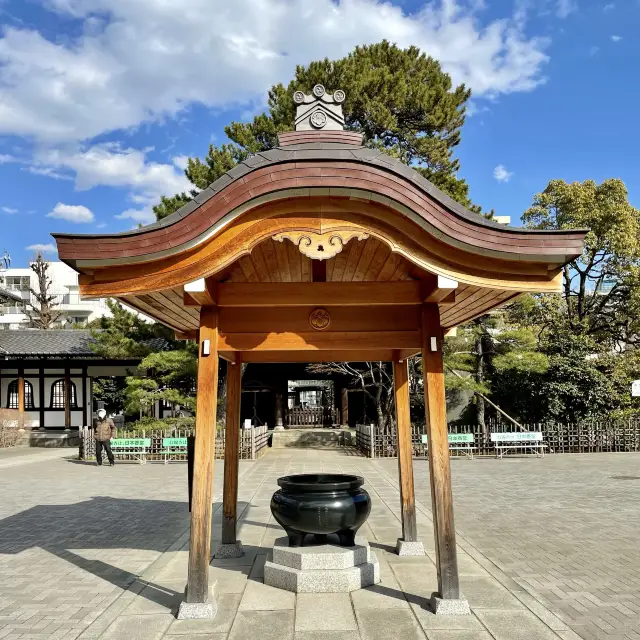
{"points": [[407, 548], [441, 607], [199, 610], [278, 427], [229, 550]]}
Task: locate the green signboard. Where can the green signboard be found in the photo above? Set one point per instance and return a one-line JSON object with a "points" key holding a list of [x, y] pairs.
{"points": [[174, 442], [460, 437], [131, 443], [454, 438], [517, 436]]}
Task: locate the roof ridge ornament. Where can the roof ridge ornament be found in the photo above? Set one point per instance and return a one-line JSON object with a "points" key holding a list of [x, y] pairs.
{"points": [[320, 110]]}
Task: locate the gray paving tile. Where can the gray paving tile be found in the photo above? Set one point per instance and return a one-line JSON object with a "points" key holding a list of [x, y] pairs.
{"points": [[384, 595], [265, 625], [261, 597], [429, 621], [459, 635], [382, 624], [324, 612], [515, 625], [138, 627], [485, 592], [327, 635]]}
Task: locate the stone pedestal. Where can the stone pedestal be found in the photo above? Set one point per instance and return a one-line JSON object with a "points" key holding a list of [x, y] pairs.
{"points": [[199, 610], [322, 568], [442, 607], [229, 550], [406, 548]]}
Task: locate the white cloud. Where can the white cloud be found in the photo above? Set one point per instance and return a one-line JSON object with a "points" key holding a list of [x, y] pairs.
{"points": [[566, 7], [114, 166], [5, 158], [501, 174], [71, 213], [181, 162], [608, 7], [42, 248], [593, 51], [9, 210], [616, 38], [141, 61]]}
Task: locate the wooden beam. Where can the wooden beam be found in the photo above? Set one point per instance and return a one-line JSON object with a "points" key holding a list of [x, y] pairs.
{"points": [[439, 463], [439, 290], [231, 452], [300, 294], [296, 319], [201, 506], [320, 340], [405, 451], [199, 293], [329, 355]]}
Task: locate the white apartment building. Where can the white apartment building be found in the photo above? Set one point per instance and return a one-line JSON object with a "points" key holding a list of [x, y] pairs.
{"points": [[64, 287]]}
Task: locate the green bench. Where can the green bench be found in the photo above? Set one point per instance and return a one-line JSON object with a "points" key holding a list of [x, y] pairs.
{"points": [[137, 447], [173, 447], [458, 442], [518, 440]]}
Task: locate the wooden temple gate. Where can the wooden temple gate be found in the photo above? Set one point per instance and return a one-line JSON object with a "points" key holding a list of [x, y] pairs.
{"points": [[319, 250]]}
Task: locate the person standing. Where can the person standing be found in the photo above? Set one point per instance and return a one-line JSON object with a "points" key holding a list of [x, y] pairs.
{"points": [[105, 429]]}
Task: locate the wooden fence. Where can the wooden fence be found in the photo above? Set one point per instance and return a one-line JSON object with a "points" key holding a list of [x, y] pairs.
{"points": [[253, 443], [309, 417], [583, 437]]}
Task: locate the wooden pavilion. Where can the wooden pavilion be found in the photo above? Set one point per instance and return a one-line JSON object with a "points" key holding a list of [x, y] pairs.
{"points": [[320, 250]]}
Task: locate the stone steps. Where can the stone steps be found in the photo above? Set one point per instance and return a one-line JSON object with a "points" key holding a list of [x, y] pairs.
{"points": [[312, 438]]}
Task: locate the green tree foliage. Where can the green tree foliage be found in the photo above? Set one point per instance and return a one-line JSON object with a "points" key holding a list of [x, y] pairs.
{"points": [[399, 99], [483, 350], [111, 391], [166, 375], [601, 289], [589, 334], [125, 334]]}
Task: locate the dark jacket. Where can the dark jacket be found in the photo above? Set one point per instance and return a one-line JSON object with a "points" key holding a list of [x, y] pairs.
{"points": [[105, 429]]}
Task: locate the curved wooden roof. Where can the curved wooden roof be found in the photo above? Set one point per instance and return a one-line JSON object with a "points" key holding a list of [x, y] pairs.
{"points": [[306, 169], [319, 185]]}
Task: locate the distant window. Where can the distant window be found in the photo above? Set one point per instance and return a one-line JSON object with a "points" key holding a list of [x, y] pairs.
{"points": [[57, 395], [12, 395]]}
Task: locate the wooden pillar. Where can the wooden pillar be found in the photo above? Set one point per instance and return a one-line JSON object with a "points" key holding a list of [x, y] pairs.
{"points": [[202, 492], [67, 398], [405, 451], [345, 406], [439, 464], [231, 452], [279, 410], [21, 397], [41, 395], [84, 396]]}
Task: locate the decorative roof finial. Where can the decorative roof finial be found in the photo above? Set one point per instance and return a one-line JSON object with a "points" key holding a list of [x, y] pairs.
{"points": [[319, 110]]}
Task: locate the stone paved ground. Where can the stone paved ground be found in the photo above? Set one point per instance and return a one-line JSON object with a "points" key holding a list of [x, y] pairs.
{"points": [[565, 528], [91, 553]]}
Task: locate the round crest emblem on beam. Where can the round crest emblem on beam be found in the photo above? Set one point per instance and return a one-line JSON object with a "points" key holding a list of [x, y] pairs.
{"points": [[319, 319]]}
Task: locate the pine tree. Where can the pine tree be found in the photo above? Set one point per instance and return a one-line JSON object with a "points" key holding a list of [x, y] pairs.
{"points": [[399, 99]]}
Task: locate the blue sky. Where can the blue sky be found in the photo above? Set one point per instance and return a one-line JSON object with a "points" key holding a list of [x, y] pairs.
{"points": [[101, 101]]}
